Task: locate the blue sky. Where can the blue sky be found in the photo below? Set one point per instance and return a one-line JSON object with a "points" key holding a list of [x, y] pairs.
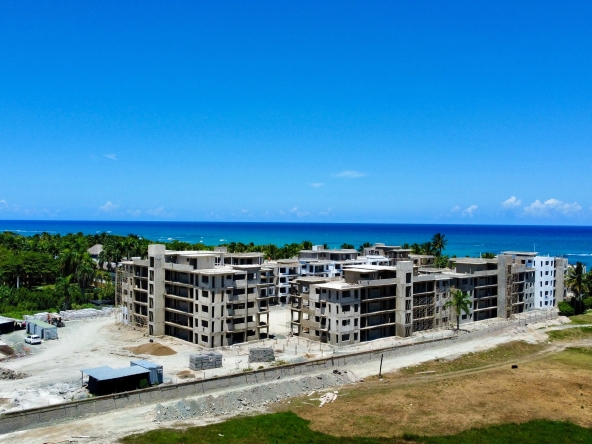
{"points": [[402, 112]]}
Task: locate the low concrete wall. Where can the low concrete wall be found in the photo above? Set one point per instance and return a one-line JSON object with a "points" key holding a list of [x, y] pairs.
{"points": [[18, 420]]}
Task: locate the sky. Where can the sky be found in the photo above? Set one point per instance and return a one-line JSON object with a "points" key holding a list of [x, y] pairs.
{"points": [[334, 111]]}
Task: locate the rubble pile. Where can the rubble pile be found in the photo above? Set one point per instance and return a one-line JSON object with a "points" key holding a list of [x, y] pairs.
{"points": [[6, 373], [250, 398]]}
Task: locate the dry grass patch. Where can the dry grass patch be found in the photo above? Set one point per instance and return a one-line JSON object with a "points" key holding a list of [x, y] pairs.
{"points": [[556, 387]]}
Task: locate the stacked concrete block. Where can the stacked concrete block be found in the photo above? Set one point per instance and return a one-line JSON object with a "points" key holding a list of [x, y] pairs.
{"points": [[261, 354], [205, 361]]}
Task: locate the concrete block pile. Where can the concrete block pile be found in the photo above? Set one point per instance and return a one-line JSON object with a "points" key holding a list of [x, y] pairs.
{"points": [[261, 354], [205, 361]]}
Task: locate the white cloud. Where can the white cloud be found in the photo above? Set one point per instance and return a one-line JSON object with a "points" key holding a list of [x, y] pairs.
{"points": [[294, 210], [134, 212], [299, 213], [455, 209], [512, 202], [469, 211], [244, 211], [108, 207], [349, 174], [316, 184], [326, 213], [110, 156], [552, 206], [156, 212]]}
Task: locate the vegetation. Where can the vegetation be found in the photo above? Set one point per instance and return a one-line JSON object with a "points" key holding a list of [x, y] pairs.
{"points": [[501, 353], [580, 283], [289, 428], [571, 334], [460, 301], [55, 272]]}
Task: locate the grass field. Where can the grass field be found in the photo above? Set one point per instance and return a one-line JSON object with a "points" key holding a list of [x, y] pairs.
{"points": [[477, 398], [288, 428], [585, 318], [571, 334]]}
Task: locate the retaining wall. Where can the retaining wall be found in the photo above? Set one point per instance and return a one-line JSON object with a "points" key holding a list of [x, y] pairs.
{"points": [[22, 419]]}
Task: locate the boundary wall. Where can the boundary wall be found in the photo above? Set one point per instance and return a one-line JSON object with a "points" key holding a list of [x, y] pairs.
{"points": [[29, 418]]}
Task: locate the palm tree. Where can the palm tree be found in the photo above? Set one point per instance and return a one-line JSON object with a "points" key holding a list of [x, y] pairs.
{"points": [[576, 281], [68, 289], [460, 301], [85, 275], [487, 255], [439, 242], [364, 245], [415, 248]]}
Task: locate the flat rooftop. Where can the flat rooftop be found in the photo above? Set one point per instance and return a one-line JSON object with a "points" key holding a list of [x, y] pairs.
{"points": [[521, 253]]}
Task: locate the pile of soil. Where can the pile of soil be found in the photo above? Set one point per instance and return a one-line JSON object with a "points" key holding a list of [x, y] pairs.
{"points": [[185, 374], [6, 350], [6, 373], [152, 348]]}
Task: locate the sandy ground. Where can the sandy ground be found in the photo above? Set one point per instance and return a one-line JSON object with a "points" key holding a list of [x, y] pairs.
{"points": [[85, 344]]}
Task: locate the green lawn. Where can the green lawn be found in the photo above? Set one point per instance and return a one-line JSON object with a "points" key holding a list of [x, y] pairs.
{"points": [[585, 318], [288, 428], [571, 334]]}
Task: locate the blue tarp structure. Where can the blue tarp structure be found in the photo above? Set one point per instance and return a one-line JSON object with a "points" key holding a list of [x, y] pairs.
{"points": [[106, 380], [155, 370]]}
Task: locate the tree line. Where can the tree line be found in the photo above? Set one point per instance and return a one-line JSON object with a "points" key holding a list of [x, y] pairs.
{"points": [[52, 272]]}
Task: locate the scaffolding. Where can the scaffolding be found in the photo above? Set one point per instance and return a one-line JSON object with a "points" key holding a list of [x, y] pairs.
{"points": [[511, 293], [120, 275]]}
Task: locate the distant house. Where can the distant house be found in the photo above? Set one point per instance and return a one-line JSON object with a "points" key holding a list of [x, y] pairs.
{"points": [[95, 250]]}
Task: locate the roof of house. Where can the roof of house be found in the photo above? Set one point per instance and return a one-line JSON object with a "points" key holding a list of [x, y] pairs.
{"points": [[95, 250], [145, 364], [105, 372]]}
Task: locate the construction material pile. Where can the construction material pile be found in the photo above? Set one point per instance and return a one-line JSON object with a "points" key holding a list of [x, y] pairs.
{"points": [[205, 361], [6, 373], [152, 348], [261, 354], [86, 313]]}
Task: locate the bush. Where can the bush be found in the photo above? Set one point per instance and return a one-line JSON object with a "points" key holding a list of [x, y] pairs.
{"points": [[565, 309], [144, 384], [587, 303]]}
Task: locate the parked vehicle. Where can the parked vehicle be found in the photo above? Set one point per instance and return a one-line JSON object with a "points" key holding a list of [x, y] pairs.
{"points": [[33, 339]]}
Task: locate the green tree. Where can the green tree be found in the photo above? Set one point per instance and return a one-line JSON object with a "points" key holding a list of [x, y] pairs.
{"points": [[439, 243], [347, 247], [364, 245], [68, 289], [85, 275], [441, 261], [460, 301], [487, 255], [577, 282]]}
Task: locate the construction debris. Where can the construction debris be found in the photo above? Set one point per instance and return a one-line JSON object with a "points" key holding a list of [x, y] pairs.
{"points": [[6, 373], [327, 397]]}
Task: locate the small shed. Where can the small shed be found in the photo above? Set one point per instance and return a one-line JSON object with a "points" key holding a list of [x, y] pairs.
{"points": [[156, 376], [7, 325], [43, 329], [106, 380]]}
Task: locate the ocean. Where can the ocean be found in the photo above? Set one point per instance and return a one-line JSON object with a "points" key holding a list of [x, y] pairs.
{"points": [[575, 243]]}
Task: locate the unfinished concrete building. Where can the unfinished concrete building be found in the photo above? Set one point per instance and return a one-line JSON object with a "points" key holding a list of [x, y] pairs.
{"points": [[186, 295], [372, 302]]}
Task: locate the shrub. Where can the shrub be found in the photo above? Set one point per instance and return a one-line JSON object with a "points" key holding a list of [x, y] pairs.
{"points": [[144, 384], [587, 303], [565, 309]]}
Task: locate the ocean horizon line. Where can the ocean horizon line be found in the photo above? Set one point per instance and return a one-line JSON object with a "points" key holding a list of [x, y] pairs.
{"points": [[293, 223]]}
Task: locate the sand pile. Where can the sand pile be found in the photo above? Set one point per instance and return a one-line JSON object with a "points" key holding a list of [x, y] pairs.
{"points": [[185, 374], [152, 348]]}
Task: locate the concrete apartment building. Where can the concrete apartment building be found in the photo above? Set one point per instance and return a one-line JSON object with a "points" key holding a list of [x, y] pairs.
{"points": [[214, 298], [373, 302], [207, 298]]}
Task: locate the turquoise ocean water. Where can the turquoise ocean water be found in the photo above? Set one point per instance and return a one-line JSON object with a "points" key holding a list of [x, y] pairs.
{"points": [[575, 243]]}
